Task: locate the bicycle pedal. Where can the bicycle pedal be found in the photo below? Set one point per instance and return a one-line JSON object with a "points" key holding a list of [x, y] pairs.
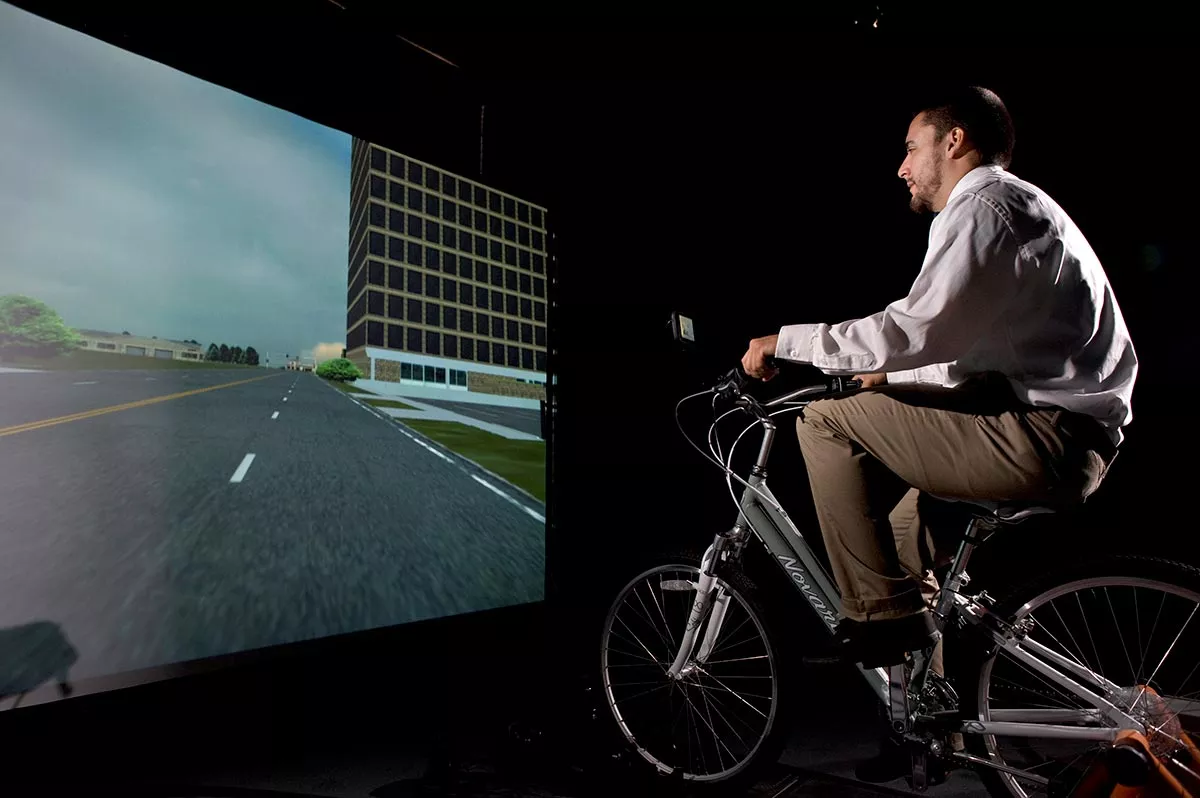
{"points": [[920, 771]]}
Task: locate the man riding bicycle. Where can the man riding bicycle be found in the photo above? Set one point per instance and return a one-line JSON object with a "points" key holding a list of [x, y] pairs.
{"points": [[1006, 374]]}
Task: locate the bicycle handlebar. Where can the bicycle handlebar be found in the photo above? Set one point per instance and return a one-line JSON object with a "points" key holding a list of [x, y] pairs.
{"points": [[733, 385]]}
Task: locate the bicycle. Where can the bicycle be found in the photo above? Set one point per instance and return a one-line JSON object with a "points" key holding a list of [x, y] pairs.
{"points": [[1027, 674]]}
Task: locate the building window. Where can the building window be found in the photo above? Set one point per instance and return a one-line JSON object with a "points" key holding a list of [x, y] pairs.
{"points": [[416, 225], [450, 318], [523, 236], [468, 321], [497, 276], [495, 226], [433, 286], [415, 173], [378, 159], [494, 201], [523, 258], [395, 278], [481, 247], [510, 280], [526, 284], [481, 298], [510, 254], [395, 221], [448, 236], [483, 352], [481, 272], [464, 191], [449, 185], [433, 179], [527, 358], [375, 303], [396, 166], [510, 331], [449, 263], [510, 231], [414, 311], [395, 306], [378, 214], [374, 333], [449, 290], [526, 333], [439, 374], [395, 192], [498, 328], [406, 371], [498, 351], [510, 206], [539, 336], [432, 205], [539, 263], [449, 345], [538, 241], [414, 281], [464, 294], [466, 350], [449, 211], [523, 211], [414, 253], [537, 217], [497, 300], [481, 196], [396, 248], [494, 250], [416, 199], [357, 337], [395, 336], [539, 311], [539, 286], [433, 231], [526, 308], [433, 314], [464, 241], [482, 323], [433, 258], [375, 272], [430, 374], [510, 304], [480, 221], [414, 340], [376, 243], [433, 345]]}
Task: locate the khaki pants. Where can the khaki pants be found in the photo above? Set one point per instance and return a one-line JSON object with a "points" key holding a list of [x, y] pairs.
{"points": [[871, 455]]}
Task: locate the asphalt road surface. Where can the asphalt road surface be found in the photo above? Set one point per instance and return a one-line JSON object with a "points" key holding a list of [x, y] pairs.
{"points": [[144, 528]]}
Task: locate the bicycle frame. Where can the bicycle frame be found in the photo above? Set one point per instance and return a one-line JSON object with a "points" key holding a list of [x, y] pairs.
{"points": [[761, 516]]}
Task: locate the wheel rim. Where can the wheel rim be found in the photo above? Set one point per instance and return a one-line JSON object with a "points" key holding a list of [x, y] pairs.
{"points": [[709, 726], [1132, 631]]}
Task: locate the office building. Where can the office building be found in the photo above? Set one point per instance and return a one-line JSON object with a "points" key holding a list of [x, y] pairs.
{"points": [[126, 344], [447, 282]]}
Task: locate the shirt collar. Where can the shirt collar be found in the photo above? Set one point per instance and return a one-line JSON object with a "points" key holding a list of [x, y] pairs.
{"points": [[973, 179]]}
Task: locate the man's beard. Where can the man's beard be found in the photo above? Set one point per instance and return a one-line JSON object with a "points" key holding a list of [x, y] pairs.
{"points": [[922, 200]]}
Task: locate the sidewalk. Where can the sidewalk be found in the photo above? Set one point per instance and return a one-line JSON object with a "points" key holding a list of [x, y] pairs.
{"points": [[433, 413]]}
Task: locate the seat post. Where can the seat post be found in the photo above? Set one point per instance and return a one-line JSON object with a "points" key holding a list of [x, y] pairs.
{"points": [[957, 577]]}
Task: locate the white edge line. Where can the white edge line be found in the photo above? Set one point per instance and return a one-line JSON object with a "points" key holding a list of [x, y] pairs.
{"points": [[240, 474], [275, 415], [505, 496]]}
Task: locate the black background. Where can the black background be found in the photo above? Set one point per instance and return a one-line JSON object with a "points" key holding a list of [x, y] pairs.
{"points": [[743, 170]]}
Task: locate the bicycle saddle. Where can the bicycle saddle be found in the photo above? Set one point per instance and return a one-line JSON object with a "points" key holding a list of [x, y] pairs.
{"points": [[1004, 512]]}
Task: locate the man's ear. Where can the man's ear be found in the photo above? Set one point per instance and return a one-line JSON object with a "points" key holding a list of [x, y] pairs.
{"points": [[956, 143]]}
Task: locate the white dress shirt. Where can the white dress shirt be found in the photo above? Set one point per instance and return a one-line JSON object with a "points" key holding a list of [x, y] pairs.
{"points": [[1009, 285]]}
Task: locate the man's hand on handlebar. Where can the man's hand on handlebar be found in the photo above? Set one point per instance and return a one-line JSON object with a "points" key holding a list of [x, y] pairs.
{"points": [[759, 360], [872, 380]]}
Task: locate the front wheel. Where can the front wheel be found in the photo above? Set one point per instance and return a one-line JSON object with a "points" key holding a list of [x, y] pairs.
{"points": [[726, 720], [1135, 621]]}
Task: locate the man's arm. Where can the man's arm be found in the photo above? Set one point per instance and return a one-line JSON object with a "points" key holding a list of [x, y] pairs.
{"points": [[969, 277]]}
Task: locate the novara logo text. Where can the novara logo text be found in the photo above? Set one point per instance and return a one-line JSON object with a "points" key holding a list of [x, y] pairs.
{"points": [[800, 577]]}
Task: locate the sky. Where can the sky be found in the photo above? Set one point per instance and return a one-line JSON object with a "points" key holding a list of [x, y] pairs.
{"points": [[136, 197]]}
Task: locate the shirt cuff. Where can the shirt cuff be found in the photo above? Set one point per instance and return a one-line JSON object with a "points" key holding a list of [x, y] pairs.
{"points": [[795, 342]]}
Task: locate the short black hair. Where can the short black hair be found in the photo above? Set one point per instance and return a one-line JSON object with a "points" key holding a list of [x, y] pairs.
{"points": [[979, 112]]}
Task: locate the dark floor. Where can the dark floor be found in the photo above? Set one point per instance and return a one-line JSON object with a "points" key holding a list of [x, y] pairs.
{"points": [[462, 711]]}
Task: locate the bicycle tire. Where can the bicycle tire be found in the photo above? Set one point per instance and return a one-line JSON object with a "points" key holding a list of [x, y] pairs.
{"points": [[756, 602], [975, 658]]}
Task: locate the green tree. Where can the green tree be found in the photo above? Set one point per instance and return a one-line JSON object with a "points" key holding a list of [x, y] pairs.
{"points": [[214, 354], [235, 354], [224, 352], [32, 328], [251, 356], [339, 369]]}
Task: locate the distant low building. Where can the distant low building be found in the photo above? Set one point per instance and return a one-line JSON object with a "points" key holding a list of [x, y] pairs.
{"points": [[122, 344]]}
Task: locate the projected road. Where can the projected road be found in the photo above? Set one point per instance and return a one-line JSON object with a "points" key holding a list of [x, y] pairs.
{"points": [[164, 516]]}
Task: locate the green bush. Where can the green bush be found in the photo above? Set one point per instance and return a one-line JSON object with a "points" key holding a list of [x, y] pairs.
{"points": [[29, 328], [339, 369]]}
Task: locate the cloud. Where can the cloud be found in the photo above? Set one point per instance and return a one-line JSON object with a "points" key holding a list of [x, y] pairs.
{"points": [[323, 352], [133, 196]]}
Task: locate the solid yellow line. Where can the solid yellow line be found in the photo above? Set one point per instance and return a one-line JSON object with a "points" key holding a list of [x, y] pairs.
{"points": [[50, 422]]}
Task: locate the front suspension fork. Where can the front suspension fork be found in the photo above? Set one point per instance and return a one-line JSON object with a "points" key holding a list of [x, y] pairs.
{"points": [[700, 607]]}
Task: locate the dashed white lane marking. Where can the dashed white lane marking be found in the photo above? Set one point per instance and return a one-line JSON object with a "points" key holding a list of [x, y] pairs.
{"points": [[240, 474], [506, 497], [285, 398], [275, 415], [86, 382], [151, 379]]}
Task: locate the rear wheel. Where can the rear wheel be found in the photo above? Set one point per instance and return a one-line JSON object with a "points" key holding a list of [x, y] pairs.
{"points": [[727, 719], [1134, 621]]}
